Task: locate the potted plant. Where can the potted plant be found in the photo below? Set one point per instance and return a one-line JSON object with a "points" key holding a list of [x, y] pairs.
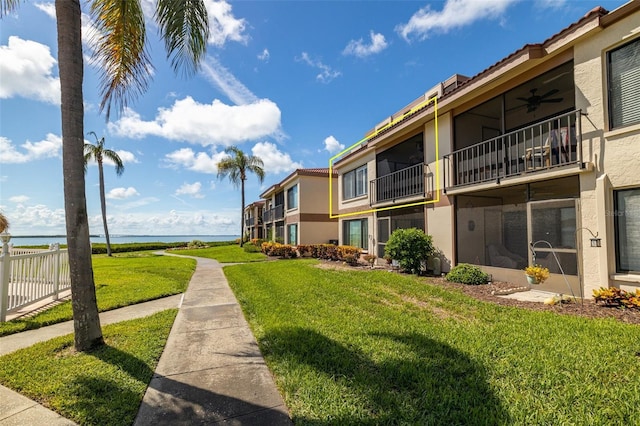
{"points": [[536, 274]]}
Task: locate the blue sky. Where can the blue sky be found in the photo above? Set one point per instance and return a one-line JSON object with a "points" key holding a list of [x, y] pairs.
{"points": [[290, 81]]}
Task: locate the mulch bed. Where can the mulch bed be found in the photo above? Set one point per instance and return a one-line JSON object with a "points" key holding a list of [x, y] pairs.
{"points": [[588, 309]]}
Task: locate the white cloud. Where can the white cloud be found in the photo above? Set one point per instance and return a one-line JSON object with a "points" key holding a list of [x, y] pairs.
{"points": [[48, 8], [21, 199], [223, 25], [170, 222], [34, 219], [227, 83], [125, 156], [196, 162], [205, 124], [122, 193], [264, 56], [326, 74], [332, 145], [47, 148], [190, 189], [26, 68], [274, 160], [359, 49], [455, 14]]}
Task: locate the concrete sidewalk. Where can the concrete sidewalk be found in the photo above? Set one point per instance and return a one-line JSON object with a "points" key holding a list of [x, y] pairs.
{"points": [[211, 370]]}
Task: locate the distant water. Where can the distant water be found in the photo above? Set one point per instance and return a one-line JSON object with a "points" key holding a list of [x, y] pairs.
{"points": [[121, 239]]}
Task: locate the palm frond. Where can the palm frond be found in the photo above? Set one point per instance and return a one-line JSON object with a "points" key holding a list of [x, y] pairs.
{"points": [[184, 26], [120, 50], [4, 222], [113, 156], [8, 6]]}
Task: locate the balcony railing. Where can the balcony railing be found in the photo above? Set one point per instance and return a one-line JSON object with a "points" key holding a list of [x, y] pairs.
{"points": [[546, 145], [250, 221], [405, 183], [278, 212], [275, 213]]}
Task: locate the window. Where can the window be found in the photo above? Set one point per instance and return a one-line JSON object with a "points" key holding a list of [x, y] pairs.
{"points": [[624, 85], [292, 197], [354, 183], [355, 233], [627, 230], [292, 234]]}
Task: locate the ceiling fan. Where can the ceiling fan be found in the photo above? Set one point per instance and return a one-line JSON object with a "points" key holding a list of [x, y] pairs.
{"points": [[534, 101]]}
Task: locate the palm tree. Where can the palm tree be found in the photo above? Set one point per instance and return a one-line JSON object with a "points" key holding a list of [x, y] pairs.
{"points": [[4, 223], [98, 153], [236, 167], [126, 69]]}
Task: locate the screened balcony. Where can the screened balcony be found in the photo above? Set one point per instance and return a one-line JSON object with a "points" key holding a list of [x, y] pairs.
{"points": [[540, 147]]}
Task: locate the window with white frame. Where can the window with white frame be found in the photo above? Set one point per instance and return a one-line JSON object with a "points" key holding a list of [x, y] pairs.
{"points": [[627, 230], [354, 183], [623, 65], [292, 197], [292, 234], [355, 233]]}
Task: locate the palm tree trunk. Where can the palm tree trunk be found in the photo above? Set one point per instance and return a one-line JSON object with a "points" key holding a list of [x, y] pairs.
{"points": [[103, 206], [242, 213], [86, 322]]}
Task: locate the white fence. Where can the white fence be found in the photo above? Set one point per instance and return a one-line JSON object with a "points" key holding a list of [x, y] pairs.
{"points": [[30, 275]]}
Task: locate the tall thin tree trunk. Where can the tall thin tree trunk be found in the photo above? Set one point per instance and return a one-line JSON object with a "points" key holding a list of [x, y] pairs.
{"points": [[86, 322], [242, 213], [103, 206]]}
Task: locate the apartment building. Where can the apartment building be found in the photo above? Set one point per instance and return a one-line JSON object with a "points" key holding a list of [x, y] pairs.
{"points": [[296, 210], [534, 159], [253, 220]]}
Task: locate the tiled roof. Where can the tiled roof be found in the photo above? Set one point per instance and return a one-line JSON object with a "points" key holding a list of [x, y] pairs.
{"points": [[314, 172]]}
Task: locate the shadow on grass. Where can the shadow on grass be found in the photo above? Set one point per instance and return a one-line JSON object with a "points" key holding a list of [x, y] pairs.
{"points": [[427, 382], [101, 401]]}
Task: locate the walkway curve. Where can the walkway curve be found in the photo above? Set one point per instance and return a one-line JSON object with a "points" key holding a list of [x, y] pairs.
{"points": [[211, 370]]}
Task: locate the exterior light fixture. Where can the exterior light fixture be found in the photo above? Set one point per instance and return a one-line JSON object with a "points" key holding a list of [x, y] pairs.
{"points": [[595, 241]]}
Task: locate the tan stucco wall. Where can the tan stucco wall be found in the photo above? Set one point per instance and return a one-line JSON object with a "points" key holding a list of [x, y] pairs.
{"points": [[313, 194], [440, 227], [611, 152], [317, 232]]}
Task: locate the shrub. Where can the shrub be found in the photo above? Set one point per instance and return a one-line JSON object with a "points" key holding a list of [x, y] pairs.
{"points": [[250, 248], [280, 250], [350, 260], [370, 259], [409, 247], [196, 244], [305, 250], [257, 241], [324, 251], [613, 296], [467, 274], [345, 252]]}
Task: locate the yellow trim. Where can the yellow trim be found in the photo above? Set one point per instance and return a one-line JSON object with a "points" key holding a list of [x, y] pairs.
{"points": [[437, 189]]}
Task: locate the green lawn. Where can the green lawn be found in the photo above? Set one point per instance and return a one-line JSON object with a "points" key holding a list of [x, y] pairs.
{"points": [[121, 280], [383, 348], [102, 387], [224, 254]]}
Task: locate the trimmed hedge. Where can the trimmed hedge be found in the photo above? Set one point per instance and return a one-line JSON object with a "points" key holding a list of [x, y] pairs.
{"points": [[101, 248]]}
